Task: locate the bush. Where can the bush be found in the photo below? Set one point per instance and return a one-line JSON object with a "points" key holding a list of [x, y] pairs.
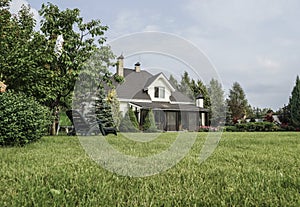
{"points": [[230, 129], [22, 119], [129, 122], [149, 124], [253, 127]]}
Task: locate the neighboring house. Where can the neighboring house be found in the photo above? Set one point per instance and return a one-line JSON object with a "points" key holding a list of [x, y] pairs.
{"points": [[142, 91]]}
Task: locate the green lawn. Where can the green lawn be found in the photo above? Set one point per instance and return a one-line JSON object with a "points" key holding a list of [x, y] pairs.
{"points": [[246, 169]]}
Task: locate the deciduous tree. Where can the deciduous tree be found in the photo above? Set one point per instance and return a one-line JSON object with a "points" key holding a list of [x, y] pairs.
{"points": [[32, 63]]}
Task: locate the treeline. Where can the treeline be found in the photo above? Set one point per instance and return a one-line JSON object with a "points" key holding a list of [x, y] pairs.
{"points": [[235, 108]]}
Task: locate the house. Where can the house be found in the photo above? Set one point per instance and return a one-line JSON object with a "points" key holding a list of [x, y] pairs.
{"points": [[143, 91]]}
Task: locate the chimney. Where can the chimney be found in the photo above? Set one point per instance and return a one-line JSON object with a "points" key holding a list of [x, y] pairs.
{"points": [[120, 66], [137, 67]]}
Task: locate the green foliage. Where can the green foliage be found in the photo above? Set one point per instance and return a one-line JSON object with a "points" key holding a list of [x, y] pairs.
{"points": [[217, 101], [174, 82], [246, 169], [22, 119], [185, 85], [191, 88], [284, 114], [129, 122], [103, 110], [64, 120], [237, 102], [28, 55], [149, 123], [114, 103], [295, 105], [253, 127]]}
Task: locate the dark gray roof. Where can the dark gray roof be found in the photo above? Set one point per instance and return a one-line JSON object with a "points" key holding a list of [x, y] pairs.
{"points": [[165, 106], [133, 85], [180, 97], [150, 80]]}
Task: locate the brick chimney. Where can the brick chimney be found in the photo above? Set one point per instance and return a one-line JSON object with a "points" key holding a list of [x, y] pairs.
{"points": [[120, 66], [137, 67]]}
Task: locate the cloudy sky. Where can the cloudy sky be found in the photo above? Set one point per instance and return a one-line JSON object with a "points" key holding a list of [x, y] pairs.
{"points": [[253, 42]]}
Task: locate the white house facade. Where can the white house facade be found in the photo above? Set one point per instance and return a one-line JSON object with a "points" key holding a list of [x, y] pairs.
{"points": [[142, 91]]}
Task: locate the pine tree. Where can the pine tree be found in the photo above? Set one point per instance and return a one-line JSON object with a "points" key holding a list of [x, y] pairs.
{"points": [[199, 88], [103, 110], [295, 104]]}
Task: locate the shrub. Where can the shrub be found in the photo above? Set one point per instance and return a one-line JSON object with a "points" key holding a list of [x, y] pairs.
{"points": [[22, 119], [230, 129], [253, 127], [149, 124], [129, 122]]}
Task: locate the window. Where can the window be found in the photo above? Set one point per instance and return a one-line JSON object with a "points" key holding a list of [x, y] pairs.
{"points": [[159, 92]]}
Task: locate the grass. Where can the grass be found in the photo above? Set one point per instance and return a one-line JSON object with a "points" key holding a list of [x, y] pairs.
{"points": [[246, 169]]}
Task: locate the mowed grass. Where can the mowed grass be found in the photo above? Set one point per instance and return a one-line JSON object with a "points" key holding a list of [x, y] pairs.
{"points": [[246, 169]]}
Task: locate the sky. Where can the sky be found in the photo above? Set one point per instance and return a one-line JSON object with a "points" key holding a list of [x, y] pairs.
{"points": [[253, 42]]}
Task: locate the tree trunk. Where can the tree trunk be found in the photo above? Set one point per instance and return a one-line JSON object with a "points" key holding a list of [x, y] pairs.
{"points": [[53, 128]]}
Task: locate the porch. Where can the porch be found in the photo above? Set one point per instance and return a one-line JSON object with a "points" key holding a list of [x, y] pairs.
{"points": [[172, 117]]}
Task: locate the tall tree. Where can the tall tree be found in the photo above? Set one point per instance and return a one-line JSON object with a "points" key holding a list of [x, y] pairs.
{"points": [[237, 103], [113, 101], [18, 57], [185, 85], [174, 82], [217, 101], [32, 62], [103, 109], [284, 115], [199, 88], [295, 104]]}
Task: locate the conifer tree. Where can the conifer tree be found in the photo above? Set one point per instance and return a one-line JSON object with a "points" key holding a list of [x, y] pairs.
{"points": [[174, 82], [149, 124], [217, 101], [295, 104], [103, 109], [129, 122]]}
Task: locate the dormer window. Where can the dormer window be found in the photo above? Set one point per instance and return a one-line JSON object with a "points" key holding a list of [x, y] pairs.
{"points": [[159, 92]]}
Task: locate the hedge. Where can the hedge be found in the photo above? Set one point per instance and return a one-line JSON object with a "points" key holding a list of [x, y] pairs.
{"points": [[253, 127]]}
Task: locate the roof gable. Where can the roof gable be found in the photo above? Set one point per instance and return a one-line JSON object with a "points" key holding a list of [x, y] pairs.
{"points": [[154, 78]]}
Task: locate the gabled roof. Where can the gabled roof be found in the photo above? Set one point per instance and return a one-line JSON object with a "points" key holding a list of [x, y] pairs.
{"points": [[136, 84], [133, 85], [180, 97], [157, 76]]}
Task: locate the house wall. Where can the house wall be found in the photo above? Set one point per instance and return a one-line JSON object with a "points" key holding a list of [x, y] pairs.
{"points": [[159, 83], [123, 107]]}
